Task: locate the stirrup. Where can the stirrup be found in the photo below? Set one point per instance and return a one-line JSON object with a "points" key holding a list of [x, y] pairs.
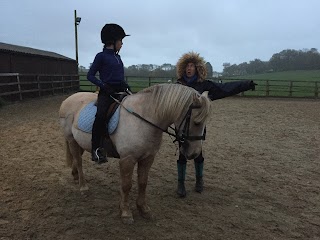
{"points": [[98, 156]]}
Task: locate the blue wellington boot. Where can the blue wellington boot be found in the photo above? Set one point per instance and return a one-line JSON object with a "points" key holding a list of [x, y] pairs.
{"points": [[181, 191], [198, 166]]}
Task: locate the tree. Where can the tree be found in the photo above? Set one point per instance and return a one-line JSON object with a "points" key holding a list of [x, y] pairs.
{"points": [[209, 69], [82, 69], [226, 64]]}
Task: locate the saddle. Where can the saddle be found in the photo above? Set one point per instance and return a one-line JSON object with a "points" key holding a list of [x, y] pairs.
{"points": [[108, 144], [87, 117]]}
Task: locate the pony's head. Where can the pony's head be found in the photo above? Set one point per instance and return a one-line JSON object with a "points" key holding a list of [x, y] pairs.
{"points": [[186, 109], [191, 127]]}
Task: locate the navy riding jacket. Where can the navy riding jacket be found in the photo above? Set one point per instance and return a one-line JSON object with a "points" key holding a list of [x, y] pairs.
{"points": [[110, 68], [219, 90]]}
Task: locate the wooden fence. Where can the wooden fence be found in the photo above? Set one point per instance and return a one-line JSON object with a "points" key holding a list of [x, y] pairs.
{"points": [[136, 83], [15, 86], [283, 88], [265, 88]]}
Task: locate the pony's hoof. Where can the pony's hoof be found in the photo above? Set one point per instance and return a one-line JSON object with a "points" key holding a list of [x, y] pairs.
{"points": [[145, 213], [84, 189], [127, 220], [76, 178]]}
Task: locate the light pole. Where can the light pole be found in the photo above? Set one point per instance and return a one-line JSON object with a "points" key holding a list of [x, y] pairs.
{"points": [[77, 21]]}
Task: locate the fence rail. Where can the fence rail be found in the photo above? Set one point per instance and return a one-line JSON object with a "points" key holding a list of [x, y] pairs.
{"points": [[265, 87], [15, 86]]}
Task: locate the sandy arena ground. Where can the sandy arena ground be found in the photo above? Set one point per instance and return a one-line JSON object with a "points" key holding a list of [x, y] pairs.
{"points": [[262, 178]]}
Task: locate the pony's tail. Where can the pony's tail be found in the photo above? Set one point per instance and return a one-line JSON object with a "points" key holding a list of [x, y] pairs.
{"points": [[68, 155]]}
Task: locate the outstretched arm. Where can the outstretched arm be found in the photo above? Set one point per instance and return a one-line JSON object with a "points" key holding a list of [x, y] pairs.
{"points": [[222, 90]]}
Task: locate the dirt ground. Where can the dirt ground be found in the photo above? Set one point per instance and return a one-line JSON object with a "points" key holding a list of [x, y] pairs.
{"points": [[262, 178]]}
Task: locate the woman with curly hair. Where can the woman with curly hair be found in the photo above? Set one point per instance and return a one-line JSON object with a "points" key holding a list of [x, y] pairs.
{"points": [[192, 72]]}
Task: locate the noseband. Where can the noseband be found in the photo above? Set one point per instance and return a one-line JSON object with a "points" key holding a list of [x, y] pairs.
{"points": [[185, 131]]}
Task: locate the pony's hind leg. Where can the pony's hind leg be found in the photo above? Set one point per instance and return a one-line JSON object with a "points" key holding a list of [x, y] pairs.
{"points": [[74, 171], [77, 172], [126, 171], [71, 163], [143, 172]]}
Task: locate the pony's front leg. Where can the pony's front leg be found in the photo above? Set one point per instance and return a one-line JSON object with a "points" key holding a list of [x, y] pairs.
{"points": [[126, 171], [143, 173]]}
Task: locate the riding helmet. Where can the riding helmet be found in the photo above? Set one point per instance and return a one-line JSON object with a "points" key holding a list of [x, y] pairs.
{"points": [[112, 32]]}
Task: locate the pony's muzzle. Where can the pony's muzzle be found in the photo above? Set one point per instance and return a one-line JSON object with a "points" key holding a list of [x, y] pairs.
{"points": [[184, 150], [192, 156]]}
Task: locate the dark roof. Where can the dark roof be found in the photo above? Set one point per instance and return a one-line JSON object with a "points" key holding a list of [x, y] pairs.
{"points": [[27, 50]]}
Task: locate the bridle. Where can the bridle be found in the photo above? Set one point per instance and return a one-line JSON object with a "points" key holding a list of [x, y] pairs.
{"points": [[185, 131], [180, 138]]}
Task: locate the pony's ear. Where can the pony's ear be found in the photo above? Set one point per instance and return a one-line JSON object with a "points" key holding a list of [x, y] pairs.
{"points": [[205, 94], [196, 99]]}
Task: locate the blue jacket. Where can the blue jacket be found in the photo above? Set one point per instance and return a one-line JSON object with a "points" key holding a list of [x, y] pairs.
{"points": [[110, 68], [220, 90]]}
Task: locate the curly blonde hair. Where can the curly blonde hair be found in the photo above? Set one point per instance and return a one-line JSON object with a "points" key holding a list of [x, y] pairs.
{"points": [[197, 60]]}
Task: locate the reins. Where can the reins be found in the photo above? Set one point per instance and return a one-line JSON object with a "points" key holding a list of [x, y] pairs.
{"points": [[185, 132], [143, 119]]}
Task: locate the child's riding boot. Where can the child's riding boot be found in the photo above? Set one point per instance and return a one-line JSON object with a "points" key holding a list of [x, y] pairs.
{"points": [[97, 152], [98, 155]]}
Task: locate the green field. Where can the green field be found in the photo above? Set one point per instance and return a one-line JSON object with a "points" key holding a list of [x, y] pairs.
{"points": [[303, 75], [277, 84]]}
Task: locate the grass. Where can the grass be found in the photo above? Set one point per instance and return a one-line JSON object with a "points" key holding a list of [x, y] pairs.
{"points": [[2, 102]]}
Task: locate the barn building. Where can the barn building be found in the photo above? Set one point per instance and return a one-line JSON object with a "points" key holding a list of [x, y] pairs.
{"points": [[27, 72]]}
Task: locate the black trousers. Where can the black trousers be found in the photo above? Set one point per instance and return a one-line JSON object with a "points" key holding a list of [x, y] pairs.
{"points": [[99, 128]]}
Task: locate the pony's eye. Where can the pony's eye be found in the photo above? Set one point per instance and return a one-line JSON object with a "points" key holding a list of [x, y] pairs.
{"points": [[196, 123]]}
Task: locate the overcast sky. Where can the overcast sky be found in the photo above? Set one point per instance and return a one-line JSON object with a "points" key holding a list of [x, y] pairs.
{"points": [[161, 31]]}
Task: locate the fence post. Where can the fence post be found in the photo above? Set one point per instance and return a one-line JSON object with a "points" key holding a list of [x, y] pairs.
{"points": [[149, 81], [267, 88], [39, 87], [290, 89], [62, 85], [52, 85], [316, 90], [126, 79], [19, 87]]}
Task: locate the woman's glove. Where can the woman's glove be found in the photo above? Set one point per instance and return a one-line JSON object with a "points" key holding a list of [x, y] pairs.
{"points": [[253, 85]]}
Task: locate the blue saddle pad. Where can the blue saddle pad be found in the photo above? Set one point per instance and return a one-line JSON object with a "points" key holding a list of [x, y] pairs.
{"points": [[87, 116]]}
